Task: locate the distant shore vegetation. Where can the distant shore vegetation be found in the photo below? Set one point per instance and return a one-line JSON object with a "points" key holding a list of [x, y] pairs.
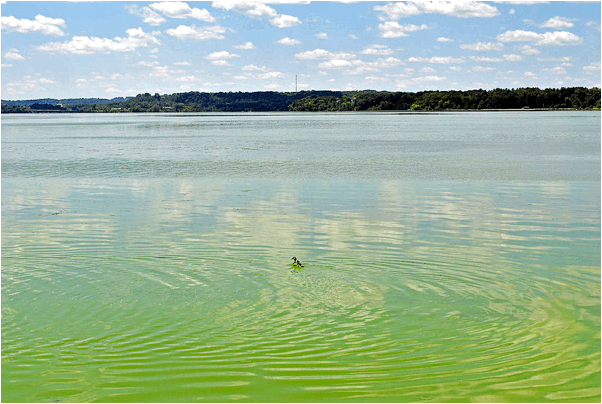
{"points": [[317, 101]]}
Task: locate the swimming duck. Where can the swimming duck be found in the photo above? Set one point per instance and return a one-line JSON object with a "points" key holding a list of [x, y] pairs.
{"points": [[296, 262]]}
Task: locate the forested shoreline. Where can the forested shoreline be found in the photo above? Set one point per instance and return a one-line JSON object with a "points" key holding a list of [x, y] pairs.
{"points": [[316, 101]]}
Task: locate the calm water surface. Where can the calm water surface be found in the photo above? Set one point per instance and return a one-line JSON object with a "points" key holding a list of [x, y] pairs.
{"points": [[448, 257]]}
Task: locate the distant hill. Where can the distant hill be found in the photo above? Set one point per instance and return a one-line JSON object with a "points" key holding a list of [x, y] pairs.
{"points": [[66, 101]]}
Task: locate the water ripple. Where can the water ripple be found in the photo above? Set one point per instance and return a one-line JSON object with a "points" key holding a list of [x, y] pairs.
{"points": [[183, 288]]}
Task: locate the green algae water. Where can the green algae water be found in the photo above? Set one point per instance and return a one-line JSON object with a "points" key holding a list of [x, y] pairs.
{"points": [[447, 257]]}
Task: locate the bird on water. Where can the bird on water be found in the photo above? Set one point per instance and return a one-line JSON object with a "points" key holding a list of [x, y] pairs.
{"points": [[296, 262]]}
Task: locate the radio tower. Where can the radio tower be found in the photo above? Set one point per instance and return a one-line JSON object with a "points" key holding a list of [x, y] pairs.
{"points": [[295, 83]]}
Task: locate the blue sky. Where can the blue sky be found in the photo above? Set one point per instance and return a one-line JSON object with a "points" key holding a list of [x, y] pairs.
{"points": [[117, 48]]}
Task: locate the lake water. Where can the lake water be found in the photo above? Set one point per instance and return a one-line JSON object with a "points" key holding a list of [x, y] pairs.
{"points": [[448, 257]]}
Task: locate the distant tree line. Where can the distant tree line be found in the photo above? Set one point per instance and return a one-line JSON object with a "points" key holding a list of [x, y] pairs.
{"points": [[62, 105], [36, 107], [575, 97], [369, 100], [66, 101], [217, 102]]}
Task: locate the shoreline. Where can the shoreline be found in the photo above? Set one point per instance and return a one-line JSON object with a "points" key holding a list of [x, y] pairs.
{"points": [[392, 111]]}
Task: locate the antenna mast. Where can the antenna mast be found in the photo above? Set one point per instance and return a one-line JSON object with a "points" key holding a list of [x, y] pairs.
{"points": [[295, 83]]}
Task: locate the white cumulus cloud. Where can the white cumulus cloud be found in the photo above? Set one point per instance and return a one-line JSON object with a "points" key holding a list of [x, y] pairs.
{"points": [[84, 45], [381, 50], [528, 50], [462, 9], [288, 41], [13, 54], [557, 23], [27, 85], [256, 9], [220, 58], [324, 54], [338, 64], [246, 45], [483, 46], [178, 9], [192, 32], [513, 58], [592, 67], [556, 70], [250, 68], [221, 55], [392, 29], [482, 69], [360, 66], [386, 63], [149, 16], [485, 59], [220, 63], [42, 24], [270, 76], [437, 60], [285, 21], [557, 38]]}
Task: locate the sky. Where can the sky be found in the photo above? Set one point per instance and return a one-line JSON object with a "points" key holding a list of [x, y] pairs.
{"points": [[124, 48]]}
